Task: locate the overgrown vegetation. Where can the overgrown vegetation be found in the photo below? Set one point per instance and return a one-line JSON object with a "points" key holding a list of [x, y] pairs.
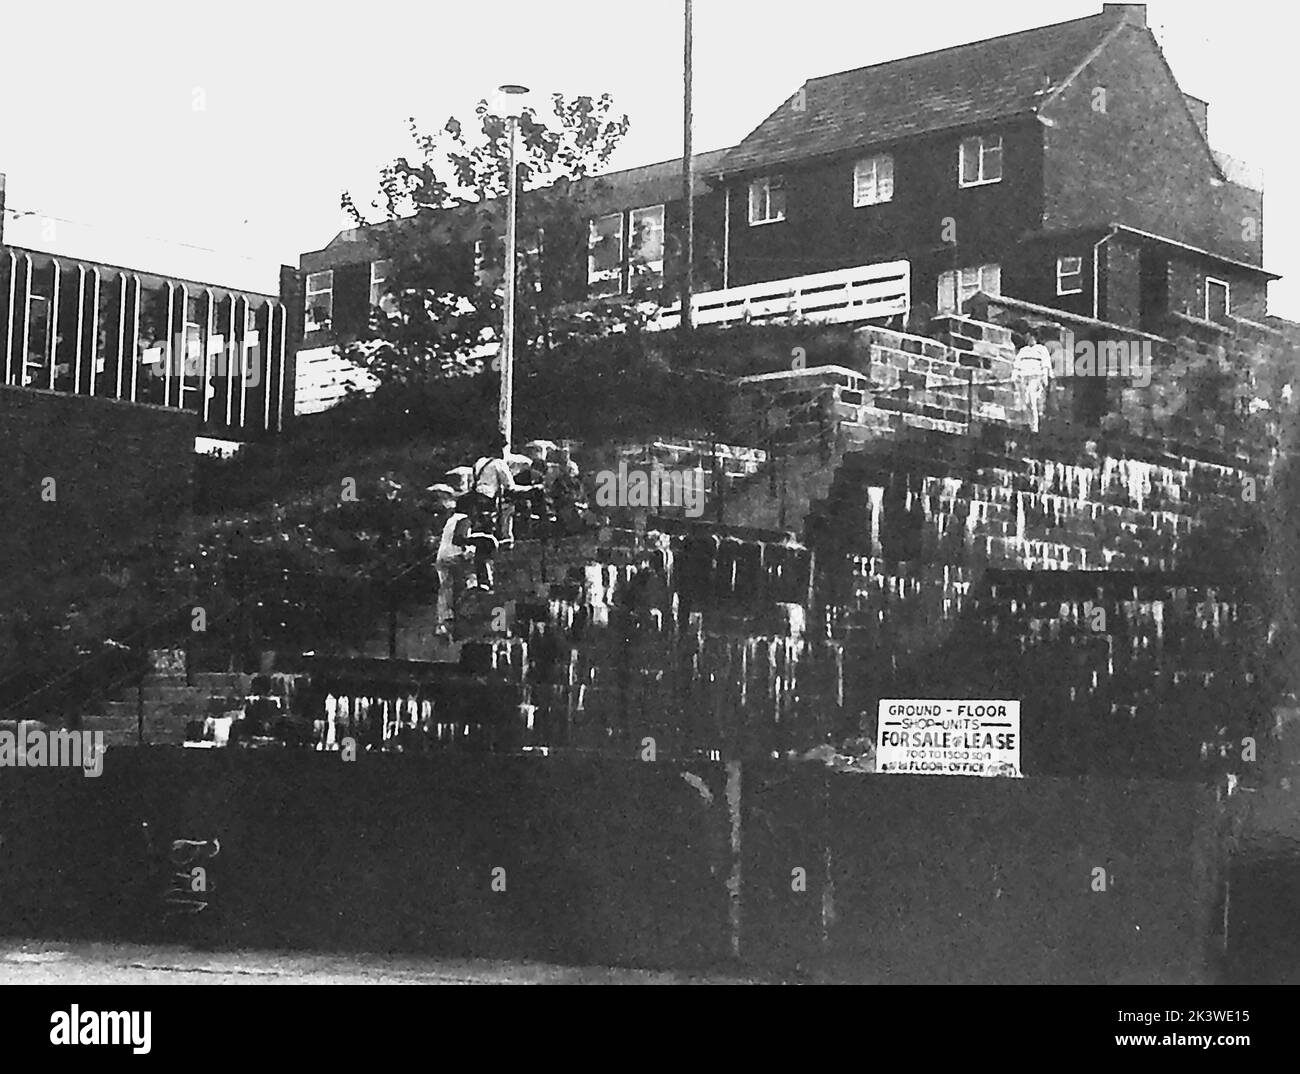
{"points": [[443, 232]]}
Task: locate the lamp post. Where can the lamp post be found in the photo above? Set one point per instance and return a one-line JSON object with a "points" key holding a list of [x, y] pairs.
{"points": [[510, 104]]}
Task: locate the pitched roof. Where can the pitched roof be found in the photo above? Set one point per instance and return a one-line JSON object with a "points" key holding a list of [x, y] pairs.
{"points": [[631, 188], [650, 184], [966, 84]]}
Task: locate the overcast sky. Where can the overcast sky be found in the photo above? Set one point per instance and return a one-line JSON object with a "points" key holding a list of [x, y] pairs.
{"points": [[213, 140]]}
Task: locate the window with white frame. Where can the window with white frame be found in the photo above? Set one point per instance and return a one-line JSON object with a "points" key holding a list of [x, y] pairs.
{"points": [[605, 255], [873, 180], [956, 287], [193, 358], [40, 313], [766, 200], [380, 271], [646, 253], [320, 301], [980, 160], [1218, 299], [1069, 275]]}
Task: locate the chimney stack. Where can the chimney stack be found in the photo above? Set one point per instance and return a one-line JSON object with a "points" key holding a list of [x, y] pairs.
{"points": [[1134, 13]]}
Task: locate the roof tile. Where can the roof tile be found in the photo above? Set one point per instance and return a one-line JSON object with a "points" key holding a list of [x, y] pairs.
{"points": [[971, 83]]}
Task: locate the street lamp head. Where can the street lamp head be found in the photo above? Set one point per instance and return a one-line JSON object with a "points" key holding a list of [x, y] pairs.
{"points": [[510, 101]]}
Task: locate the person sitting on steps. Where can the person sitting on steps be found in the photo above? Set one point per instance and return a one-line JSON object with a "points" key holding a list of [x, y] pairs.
{"points": [[492, 480]]}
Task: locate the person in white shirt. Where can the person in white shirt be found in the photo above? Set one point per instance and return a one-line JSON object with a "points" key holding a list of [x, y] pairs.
{"points": [[452, 557], [492, 473], [493, 479], [1033, 371]]}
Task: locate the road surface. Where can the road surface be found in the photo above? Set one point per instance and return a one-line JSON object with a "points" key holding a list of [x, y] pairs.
{"points": [[84, 963]]}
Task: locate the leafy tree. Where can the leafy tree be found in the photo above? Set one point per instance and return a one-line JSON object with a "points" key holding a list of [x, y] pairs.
{"points": [[443, 234]]}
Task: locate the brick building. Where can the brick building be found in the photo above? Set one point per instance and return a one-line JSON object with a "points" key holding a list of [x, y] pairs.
{"points": [[631, 244], [1061, 167]]}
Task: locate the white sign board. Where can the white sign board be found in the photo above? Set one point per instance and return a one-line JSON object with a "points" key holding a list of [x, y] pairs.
{"points": [[948, 738]]}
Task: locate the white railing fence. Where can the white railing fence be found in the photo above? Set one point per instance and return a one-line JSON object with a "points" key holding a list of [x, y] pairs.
{"points": [[863, 293]]}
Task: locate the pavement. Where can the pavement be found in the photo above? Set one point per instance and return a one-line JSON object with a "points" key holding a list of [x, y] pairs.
{"points": [[84, 963]]}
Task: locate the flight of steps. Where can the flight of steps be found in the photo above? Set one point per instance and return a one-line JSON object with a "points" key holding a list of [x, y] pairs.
{"points": [[155, 712]]}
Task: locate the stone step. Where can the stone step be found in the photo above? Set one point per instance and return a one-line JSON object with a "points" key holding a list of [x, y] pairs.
{"points": [[119, 709], [171, 692], [109, 723], [166, 678], [224, 683], [171, 712]]}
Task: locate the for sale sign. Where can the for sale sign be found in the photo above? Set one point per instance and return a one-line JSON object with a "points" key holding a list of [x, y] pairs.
{"points": [[949, 738]]}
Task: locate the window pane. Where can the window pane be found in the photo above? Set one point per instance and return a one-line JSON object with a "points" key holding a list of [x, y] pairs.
{"points": [[776, 201], [648, 234], [38, 341], [864, 182], [647, 247], [885, 178], [992, 168], [757, 200], [1069, 275], [606, 243], [605, 255], [947, 292], [379, 272], [320, 300], [1216, 300], [970, 160], [873, 180]]}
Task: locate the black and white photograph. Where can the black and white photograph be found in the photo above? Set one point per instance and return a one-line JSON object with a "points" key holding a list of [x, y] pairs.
{"points": [[700, 493]]}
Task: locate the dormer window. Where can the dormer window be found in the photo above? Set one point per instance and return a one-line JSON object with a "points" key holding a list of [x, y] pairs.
{"points": [[873, 180], [766, 200], [980, 160]]}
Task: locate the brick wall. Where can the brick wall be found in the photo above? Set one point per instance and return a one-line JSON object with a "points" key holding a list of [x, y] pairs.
{"points": [[1121, 295], [1007, 508], [1142, 161]]}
